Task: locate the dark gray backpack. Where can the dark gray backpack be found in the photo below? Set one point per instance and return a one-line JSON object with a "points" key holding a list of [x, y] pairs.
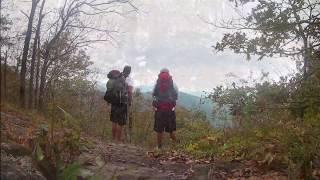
{"points": [[117, 92]]}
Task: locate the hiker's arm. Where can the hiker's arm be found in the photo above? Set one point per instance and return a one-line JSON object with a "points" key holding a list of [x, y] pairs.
{"points": [[129, 84], [154, 91], [176, 91], [154, 94]]}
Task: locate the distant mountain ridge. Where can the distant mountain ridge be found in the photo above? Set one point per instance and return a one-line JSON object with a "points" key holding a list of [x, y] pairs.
{"points": [[191, 102], [148, 88], [186, 100]]}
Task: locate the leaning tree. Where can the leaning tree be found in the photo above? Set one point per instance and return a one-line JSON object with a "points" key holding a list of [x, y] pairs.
{"points": [[85, 21]]}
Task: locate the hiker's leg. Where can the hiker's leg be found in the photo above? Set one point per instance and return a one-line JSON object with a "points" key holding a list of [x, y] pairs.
{"points": [[172, 125], [122, 121], [114, 131], [159, 139], [119, 132], [173, 136]]}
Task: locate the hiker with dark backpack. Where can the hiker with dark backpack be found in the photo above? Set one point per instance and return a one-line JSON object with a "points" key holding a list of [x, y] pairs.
{"points": [[165, 94], [119, 95]]}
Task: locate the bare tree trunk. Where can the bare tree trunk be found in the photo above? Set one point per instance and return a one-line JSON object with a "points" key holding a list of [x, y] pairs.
{"points": [[18, 64], [43, 74], [0, 79], [34, 51], [41, 88], [37, 77], [0, 72], [33, 58], [305, 57], [45, 66], [0, 58], [5, 76], [25, 55]]}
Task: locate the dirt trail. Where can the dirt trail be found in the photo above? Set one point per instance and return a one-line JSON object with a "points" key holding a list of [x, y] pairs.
{"points": [[107, 160], [124, 161]]}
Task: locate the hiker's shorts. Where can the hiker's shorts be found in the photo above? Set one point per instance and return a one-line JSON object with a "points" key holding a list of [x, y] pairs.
{"points": [[165, 121], [119, 114]]}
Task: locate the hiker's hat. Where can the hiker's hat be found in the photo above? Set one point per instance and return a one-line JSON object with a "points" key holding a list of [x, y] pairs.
{"points": [[164, 70], [126, 70]]}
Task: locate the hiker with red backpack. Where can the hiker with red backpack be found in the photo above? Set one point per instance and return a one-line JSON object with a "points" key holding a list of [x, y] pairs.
{"points": [[165, 94], [119, 95]]}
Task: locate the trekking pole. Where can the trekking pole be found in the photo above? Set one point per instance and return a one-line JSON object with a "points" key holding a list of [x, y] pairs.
{"points": [[126, 128], [105, 123], [129, 120], [129, 113]]}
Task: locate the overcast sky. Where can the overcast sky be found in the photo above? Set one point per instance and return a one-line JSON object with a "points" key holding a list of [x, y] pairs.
{"points": [[170, 33]]}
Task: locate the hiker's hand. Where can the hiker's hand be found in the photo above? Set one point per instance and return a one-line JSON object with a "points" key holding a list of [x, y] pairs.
{"points": [[155, 109], [174, 108]]}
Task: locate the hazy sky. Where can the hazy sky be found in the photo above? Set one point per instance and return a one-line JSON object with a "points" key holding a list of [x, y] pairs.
{"points": [[170, 33]]}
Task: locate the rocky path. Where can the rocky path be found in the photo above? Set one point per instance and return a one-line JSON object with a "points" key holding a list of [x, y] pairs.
{"points": [[106, 160], [16, 161], [124, 161]]}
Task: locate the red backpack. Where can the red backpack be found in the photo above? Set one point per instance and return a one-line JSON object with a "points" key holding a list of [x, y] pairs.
{"points": [[164, 92]]}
